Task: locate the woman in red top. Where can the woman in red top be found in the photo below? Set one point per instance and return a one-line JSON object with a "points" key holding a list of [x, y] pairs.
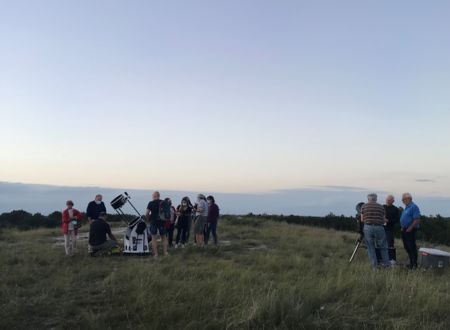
{"points": [[71, 220]]}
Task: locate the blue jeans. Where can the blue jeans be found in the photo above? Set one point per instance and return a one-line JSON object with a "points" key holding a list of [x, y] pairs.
{"points": [[375, 236]]}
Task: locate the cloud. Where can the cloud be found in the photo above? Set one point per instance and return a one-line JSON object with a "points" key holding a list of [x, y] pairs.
{"points": [[425, 180]]}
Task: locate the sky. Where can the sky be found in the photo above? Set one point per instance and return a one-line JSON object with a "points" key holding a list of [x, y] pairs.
{"points": [[234, 97]]}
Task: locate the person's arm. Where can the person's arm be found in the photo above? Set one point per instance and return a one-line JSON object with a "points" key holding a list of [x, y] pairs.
{"points": [[147, 215], [415, 223], [397, 216], [79, 216], [89, 212], [110, 234], [103, 207]]}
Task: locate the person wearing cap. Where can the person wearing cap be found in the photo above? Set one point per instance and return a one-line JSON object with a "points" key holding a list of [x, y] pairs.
{"points": [[95, 207], [373, 217], [409, 222], [98, 242], [70, 222], [201, 216]]}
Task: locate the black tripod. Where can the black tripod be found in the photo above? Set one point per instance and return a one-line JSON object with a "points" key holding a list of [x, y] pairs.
{"points": [[360, 238]]}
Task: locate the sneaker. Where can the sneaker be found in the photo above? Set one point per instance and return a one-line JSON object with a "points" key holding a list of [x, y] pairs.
{"points": [[166, 254], [176, 246], [183, 246]]}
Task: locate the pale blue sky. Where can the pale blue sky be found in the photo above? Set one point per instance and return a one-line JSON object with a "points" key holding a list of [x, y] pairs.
{"points": [[228, 96]]}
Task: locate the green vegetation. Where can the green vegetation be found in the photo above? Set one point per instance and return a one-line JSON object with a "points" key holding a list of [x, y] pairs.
{"points": [[265, 275]]}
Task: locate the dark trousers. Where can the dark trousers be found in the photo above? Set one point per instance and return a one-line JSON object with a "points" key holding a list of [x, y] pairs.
{"points": [[182, 231], [188, 233], [211, 228], [170, 231], [409, 242], [390, 237]]}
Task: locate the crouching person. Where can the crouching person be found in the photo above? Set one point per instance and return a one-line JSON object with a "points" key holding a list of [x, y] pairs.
{"points": [[98, 242], [71, 221]]}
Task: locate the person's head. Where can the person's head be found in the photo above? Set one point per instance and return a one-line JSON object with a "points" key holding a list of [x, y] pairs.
{"points": [[98, 199], [69, 204], [406, 199], [390, 200], [211, 200], [168, 201], [372, 198], [103, 216], [156, 195], [201, 197], [185, 202]]}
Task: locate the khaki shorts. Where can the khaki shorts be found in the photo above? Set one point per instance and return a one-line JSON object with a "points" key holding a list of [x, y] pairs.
{"points": [[200, 223]]}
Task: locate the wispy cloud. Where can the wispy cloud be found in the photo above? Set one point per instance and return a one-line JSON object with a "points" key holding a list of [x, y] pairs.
{"points": [[425, 180]]}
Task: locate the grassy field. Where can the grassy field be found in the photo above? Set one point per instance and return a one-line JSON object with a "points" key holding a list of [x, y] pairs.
{"points": [[268, 276]]}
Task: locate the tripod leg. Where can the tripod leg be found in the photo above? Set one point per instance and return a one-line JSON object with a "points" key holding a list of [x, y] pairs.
{"points": [[354, 252]]}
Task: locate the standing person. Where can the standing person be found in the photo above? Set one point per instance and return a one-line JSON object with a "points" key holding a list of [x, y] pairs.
{"points": [[409, 222], [71, 221], [373, 217], [98, 242], [200, 219], [393, 218], [170, 224], [213, 217], [95, 207], [190, 219], [184, 217], [153, 216]]}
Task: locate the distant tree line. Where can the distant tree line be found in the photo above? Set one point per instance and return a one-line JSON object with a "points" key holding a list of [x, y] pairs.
{"points": [[433, 229], [23, 220]]}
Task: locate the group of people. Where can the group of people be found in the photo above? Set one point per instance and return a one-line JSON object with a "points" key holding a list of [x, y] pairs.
{"points": [[204, 214], [380, 222], [162, 219]]}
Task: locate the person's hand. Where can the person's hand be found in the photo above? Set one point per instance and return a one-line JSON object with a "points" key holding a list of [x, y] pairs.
{"points": [[409, 230]]}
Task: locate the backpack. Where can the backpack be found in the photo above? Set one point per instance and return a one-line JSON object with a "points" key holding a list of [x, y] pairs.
{"points": [[164, 211]]}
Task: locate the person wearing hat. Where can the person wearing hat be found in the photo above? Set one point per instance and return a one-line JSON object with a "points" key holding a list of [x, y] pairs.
{"points": [[71, 221], [98, 241], [201, 217]]}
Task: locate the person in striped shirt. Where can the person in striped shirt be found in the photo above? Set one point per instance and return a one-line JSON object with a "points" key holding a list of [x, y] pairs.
{"points": [[374, 219]]}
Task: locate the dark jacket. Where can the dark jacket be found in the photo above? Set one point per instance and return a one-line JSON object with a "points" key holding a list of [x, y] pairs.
{"points": [[94, 210], [213, 213], [392, 215]]}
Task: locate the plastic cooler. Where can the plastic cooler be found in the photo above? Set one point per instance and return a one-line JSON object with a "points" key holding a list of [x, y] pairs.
{"points": [[433, 258]]}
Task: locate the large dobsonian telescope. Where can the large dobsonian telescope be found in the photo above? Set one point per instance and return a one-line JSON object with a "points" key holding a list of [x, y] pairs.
{"points": [[135, 240]]}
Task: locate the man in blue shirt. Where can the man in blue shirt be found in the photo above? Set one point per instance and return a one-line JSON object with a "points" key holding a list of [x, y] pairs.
{"points": [[409, 221]]}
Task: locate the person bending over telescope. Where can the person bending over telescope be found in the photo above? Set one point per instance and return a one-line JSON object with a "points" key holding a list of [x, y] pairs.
{"points": [[98, 243], [373, 217]]}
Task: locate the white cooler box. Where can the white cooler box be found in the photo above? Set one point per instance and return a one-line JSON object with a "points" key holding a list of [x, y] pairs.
{"points": [[433, 258]]}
